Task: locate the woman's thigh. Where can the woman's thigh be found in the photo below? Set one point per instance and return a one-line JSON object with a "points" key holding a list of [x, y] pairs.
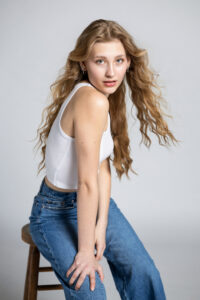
{"points": [[53, 227]]}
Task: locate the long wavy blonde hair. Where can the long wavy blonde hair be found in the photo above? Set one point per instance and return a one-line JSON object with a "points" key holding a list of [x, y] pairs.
{"points": [[144, 92]]}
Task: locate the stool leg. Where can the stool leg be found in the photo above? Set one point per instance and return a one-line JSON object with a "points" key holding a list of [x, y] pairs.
{"points": [[27, 275], [33, 273]]}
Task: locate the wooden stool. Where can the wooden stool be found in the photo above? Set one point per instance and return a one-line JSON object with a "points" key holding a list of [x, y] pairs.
{"points": [[31, 282]]}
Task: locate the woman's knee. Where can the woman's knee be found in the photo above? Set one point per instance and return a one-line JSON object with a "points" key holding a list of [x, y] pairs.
{"points": [[84, 290]]}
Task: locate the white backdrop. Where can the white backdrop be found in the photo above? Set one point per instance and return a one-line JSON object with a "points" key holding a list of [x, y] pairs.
{"points": [[162, 203]]}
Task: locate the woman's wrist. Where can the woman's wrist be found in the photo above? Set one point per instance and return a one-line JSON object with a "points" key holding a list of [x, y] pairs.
{"points": [[87, 251]]}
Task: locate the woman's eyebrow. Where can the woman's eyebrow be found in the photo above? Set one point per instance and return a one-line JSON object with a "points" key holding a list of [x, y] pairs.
{"points": [[102, 56]]}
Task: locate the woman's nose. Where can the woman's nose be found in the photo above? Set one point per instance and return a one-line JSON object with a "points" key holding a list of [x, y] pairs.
{"points": [[110, 70]]}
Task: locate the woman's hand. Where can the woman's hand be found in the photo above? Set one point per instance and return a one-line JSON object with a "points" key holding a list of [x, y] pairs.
{"points": [[100, 239], [85, 264]]}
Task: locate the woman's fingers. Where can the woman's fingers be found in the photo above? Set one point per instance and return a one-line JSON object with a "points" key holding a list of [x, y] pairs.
{"points": [[98, 256], [100, 272], [74, 276], [99, 253], [80, 281], [82, 278], [83, 275], [86, 267], [92, 281], [71, 269]]}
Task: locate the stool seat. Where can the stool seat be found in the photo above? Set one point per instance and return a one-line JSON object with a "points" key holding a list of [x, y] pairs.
{"points": [[26, 237], [31, 281]]}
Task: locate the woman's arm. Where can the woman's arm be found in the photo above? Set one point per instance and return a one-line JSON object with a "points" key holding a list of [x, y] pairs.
{"points": [[90, 115], [104, 188]]}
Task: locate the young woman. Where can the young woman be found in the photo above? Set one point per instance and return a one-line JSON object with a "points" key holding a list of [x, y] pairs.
{"points": [[74, 220]]}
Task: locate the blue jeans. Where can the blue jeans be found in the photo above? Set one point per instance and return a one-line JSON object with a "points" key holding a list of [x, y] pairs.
{"points": [[53, 227]]}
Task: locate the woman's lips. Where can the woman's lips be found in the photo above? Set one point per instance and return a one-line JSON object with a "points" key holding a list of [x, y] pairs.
{"points": [[109, 83]]}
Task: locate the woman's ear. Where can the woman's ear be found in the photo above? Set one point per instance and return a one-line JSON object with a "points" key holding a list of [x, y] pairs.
{"points": [[82, 66]]}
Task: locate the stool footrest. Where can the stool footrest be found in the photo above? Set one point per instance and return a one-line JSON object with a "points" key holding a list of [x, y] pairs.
{"points": [[49, 287], [45, 269]]}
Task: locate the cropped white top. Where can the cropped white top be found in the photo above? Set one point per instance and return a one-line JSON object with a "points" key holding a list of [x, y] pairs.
{"points": [[60, 156]]}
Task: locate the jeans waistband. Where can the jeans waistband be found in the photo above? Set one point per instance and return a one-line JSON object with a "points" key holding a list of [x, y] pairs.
{"points": [[47, 191]]}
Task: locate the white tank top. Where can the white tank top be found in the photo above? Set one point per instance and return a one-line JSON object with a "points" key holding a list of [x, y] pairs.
{"points": [[60, 156]]}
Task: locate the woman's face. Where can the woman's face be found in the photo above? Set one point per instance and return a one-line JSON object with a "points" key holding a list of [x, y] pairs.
{"points": [[107, 62]]}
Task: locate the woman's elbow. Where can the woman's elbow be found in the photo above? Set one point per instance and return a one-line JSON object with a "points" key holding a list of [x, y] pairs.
{"points": [[88, 184]]}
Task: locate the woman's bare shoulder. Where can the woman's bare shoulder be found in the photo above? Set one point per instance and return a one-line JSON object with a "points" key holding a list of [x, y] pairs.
{"points": [[90, 97]]}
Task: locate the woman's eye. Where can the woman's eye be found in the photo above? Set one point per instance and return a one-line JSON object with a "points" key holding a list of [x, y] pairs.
{"points": [[120, 59], [99, 60]]}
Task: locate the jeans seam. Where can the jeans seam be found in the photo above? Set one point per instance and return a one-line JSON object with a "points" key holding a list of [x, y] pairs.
{"points": [[49, 249], [51, 208], [124, 288]]}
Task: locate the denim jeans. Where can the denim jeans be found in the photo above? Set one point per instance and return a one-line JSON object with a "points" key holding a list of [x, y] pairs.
{"points": [[53, 227]]}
